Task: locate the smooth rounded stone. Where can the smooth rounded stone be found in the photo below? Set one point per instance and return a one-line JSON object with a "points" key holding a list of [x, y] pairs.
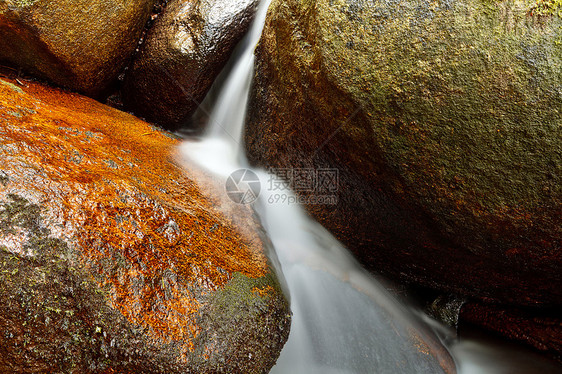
{"points": [[442, 121], [184, 52], [79, 44], [113, 259]]}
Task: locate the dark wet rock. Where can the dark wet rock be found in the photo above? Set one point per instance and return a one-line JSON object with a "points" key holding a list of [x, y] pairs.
{"points": [[541, 329], [446, 309], [80, 44], [443, 121], [112, 259], [184, 52]]}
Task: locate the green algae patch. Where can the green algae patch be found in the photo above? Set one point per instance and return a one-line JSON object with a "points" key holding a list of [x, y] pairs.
{"points": [[235, 314], [249, 291], [11, 86], [546, 7], [20, 3]]}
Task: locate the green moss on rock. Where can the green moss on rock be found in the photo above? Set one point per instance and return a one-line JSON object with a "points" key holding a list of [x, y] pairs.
{"points": [[12, 86], [546, 7], [21, 3], [235, 315], [443, 119], [252, 293]]}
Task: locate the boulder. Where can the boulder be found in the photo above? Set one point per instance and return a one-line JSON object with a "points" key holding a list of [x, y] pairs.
{"points": [[80, 44], [184, 52], [441, 120], [112, 259]]}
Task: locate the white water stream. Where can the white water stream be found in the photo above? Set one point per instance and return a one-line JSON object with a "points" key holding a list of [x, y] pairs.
{"points": [[344, 321]]}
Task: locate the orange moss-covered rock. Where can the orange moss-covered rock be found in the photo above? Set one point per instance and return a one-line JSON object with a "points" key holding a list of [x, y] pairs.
{"points": [[111, 251]]}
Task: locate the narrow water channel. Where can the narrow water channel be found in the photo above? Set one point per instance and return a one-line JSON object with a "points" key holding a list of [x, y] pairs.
{"points": [[344, 320]]}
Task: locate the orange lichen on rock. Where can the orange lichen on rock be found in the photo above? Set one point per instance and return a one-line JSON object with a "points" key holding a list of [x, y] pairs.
{"points": [[262, 292], [108, 183]]}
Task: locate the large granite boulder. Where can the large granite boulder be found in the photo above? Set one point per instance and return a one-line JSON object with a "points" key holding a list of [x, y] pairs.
{"points": [[112, 259], [184, 52], [80, 44], [444, 122]]}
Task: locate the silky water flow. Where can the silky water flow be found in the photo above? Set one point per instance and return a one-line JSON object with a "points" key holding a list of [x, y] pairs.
{"points": [[344, 320]]}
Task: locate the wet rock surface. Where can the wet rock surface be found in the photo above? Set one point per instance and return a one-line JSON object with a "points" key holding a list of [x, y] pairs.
{"points": [[443, 122], [112, 259], [80, 44], [542, 329], [182, 55]]}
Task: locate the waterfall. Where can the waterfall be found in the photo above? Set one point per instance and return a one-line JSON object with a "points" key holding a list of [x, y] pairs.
{"points": [[221, 150], [344, 320]]}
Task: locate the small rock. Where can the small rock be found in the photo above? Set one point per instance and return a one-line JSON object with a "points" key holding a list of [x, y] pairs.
{"points": [[184, 52]]}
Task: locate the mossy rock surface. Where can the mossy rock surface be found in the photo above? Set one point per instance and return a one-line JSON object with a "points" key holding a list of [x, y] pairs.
{"points": [[112, 259], [444, 120], [79, 44]]}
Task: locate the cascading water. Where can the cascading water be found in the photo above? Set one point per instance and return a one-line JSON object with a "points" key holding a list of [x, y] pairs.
{"points": [[344, 321]]}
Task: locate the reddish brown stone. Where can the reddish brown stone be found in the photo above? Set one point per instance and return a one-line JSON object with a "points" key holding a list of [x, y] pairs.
{"points": [[538, 328], [80, 44], [183, 53]]}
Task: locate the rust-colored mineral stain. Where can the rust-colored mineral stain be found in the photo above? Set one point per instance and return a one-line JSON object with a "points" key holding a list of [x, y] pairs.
{"points": [[109, 181], [432, 348]]}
